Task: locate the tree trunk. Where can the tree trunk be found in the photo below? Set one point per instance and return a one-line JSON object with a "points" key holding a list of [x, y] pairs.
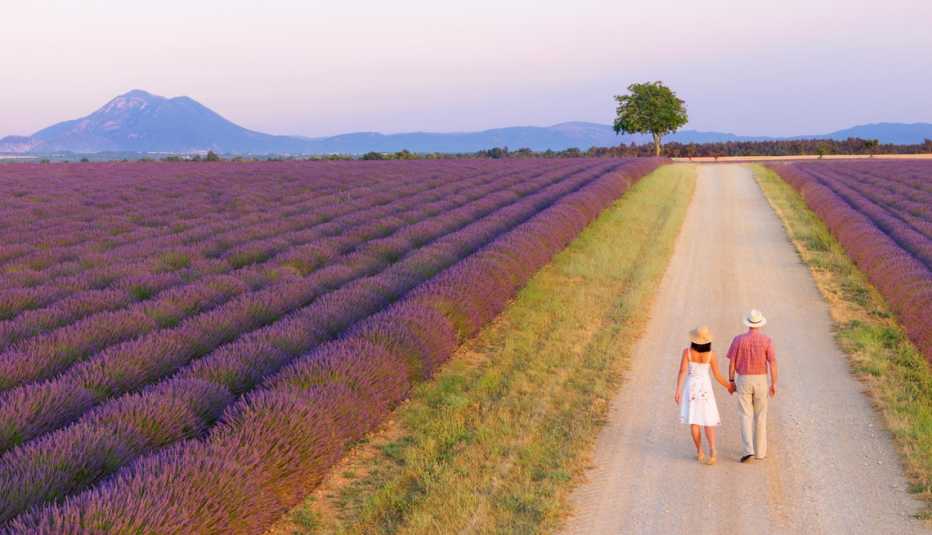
{"points": [[657, 138]]}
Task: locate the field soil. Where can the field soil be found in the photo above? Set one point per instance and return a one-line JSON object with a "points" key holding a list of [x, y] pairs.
{"points": [[831, 466]]}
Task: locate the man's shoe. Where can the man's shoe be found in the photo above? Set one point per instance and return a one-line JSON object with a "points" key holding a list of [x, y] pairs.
{"points": [[747, 458]]}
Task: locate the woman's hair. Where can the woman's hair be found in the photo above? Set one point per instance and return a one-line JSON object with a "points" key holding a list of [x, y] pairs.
{"points": [[701, 348]]}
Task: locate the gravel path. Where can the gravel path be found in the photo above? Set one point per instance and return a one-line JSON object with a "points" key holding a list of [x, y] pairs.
{"points": [[831, 467]]}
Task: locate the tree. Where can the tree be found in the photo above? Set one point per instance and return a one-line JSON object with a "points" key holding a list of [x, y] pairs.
{"points": [[823, 149], [212, 156], [495, 153], [691, 150], [651, 108], [871, 146]]}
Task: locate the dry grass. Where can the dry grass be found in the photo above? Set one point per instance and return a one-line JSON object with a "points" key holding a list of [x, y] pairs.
{"points": [[495, 442], [897, 376]]}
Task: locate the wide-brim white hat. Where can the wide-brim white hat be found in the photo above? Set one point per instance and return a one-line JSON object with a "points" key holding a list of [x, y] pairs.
{"points": [[754, 319]]}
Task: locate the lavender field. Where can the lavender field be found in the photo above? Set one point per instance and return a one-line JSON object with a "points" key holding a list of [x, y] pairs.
{"points": [[188, 347], [881, 212]]}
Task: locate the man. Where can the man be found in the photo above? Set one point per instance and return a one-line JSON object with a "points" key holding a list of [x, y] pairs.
{"points": [[750, 357]]}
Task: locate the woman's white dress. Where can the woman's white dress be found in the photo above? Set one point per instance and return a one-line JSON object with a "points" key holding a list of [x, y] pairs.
{"points": [[697, 405]]}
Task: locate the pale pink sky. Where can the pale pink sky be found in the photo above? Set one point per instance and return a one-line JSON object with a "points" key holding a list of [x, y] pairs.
{"points": [[324, 67]]}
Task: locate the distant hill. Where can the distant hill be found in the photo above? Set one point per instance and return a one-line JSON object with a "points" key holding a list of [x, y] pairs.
{"points": [[557, 137], [896, 133], [141, 122]]}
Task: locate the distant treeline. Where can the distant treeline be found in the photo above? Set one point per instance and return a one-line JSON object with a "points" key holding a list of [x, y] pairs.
{"points": [[794, 147]]}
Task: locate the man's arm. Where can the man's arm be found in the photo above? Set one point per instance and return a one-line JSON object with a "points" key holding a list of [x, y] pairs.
{"points": [[731, 362], [772, 361], [773, 378]]}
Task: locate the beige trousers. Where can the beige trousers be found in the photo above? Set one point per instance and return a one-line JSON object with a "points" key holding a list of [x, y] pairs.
{"points": [[752, 409]]}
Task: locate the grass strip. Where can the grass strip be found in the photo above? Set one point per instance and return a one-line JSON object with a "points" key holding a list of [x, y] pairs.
{"points": [[497, 439], [897, 376]]}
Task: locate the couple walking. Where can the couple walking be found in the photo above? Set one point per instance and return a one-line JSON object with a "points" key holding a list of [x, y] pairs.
{"points": [[750, 357]]}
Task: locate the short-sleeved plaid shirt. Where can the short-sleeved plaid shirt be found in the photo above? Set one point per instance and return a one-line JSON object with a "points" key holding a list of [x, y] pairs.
{"points": [[752, 351]]}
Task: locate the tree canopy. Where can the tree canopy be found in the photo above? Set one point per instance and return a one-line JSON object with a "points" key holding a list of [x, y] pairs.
{"points": [[650, 108]]}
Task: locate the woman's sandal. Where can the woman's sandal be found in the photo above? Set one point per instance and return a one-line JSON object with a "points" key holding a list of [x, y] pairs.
{"points": [[712, 458], [700, 457]]}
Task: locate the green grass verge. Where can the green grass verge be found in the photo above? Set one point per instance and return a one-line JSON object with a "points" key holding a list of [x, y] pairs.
{"points": [[498, 438], [897, 376]]}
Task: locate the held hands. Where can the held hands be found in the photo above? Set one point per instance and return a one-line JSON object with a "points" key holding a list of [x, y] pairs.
{"points": [[731, 388]]}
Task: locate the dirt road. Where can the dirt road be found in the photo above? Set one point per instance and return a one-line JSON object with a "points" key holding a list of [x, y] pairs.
{"points": [[831, 467]]}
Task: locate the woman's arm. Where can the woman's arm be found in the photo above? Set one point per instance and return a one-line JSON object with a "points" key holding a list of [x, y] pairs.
{"points": [[713, 360], [684, 364]]}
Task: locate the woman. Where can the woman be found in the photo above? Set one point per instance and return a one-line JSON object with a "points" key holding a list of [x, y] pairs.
{"points": [[694, 392]]}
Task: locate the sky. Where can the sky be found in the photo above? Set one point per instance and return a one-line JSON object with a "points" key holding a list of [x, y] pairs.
{"points": [[320, 68]]}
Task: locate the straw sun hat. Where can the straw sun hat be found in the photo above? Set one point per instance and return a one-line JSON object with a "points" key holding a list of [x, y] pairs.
{"points": [[700, 335], [754, 319]]}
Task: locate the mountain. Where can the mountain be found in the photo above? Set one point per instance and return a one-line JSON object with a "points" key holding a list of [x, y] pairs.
{"points": [[141, 122], [557, 137], [896, 133]]}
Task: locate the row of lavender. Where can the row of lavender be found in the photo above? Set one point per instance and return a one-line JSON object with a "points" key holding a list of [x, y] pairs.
{"points": [[37, 350], [293, 249], [881, 212], [187, 402], [281, 437], [255, 250], [225, 346], [35, 407], [891, 195], [71, 224], [209, 234], [73, 390]]}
